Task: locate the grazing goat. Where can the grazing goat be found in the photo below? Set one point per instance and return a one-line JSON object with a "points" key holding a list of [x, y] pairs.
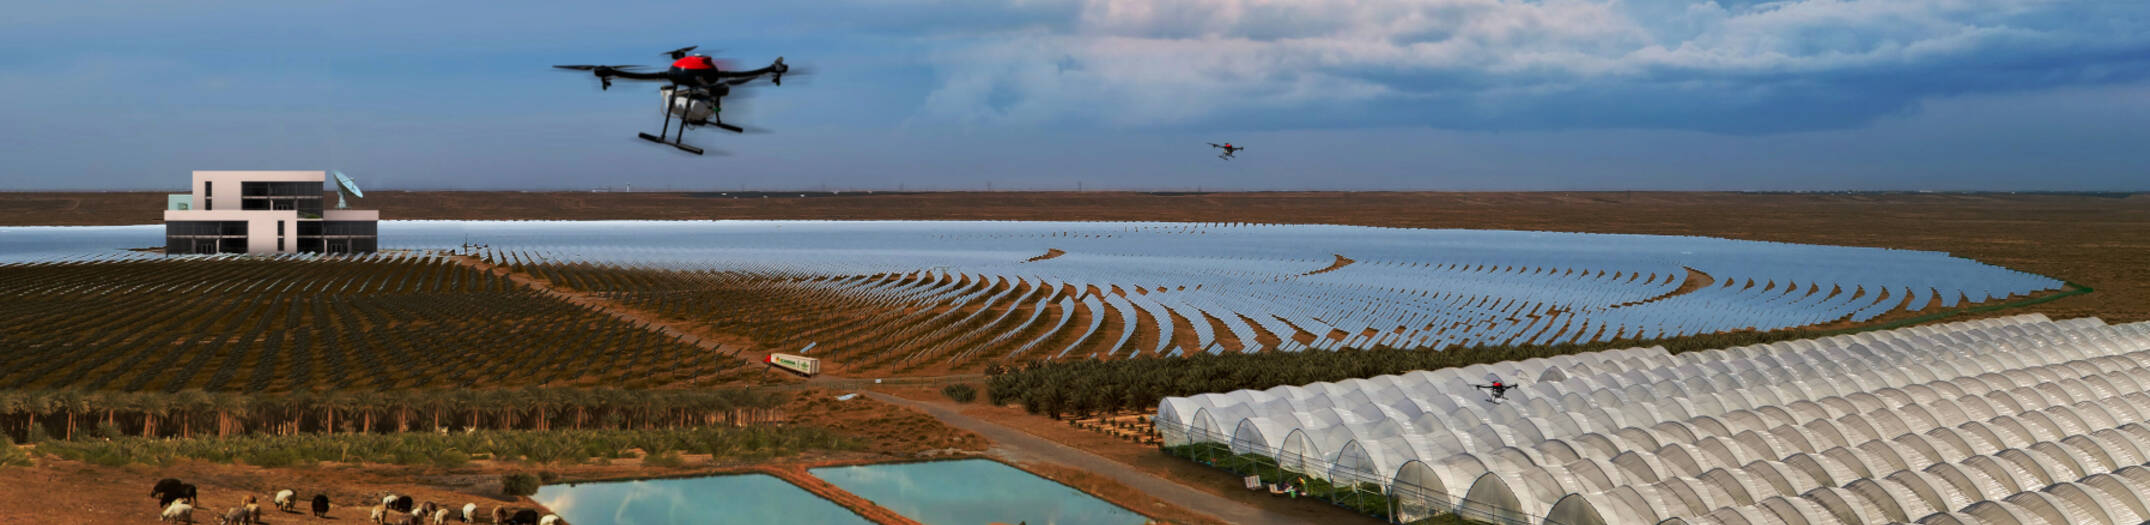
{"points": [[167, 489], [320, 505], [440, 516], [178, 511], [500, 515], [166, 494], [402, 504], [470, 512], [285, 499], [524, 517], [235, 516], [550, 519], [380, 512]]}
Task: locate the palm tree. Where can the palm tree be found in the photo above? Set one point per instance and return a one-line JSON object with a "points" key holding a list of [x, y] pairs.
{"points": [[72, 402], [294, 406], [402, 403], [189, 402], [39, 404], [468, 401], [230, 410], [141, 403], [581, 400], [96, 400], [330, 402], [433, 401], [366, 402]]}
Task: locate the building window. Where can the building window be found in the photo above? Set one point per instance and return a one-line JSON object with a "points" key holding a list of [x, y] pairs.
{"points": [[208, 188], [279, 228], [279, 244]]}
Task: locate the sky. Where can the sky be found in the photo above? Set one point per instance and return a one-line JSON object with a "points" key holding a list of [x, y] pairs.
{"points": [[1940, 95]]}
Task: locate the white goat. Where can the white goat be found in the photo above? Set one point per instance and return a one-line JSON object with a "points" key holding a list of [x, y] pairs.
{"points": [[285, 499], [179, 511]]}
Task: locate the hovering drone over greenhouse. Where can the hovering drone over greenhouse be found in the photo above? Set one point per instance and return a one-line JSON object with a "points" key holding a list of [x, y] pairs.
{"points": [[1496, 390], [694, 91]]}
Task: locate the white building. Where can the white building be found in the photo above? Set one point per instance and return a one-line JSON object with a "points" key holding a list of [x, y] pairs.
{"points": [[263, 212]]}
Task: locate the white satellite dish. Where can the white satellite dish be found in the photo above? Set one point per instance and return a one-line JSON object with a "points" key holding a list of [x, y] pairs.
{"points": [[345, 187]]}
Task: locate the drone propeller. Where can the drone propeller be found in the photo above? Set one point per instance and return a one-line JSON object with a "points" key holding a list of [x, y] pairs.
{"points": [[605, 81], [680, 53]]}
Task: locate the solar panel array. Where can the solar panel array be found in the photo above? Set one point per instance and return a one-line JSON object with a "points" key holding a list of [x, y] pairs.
{"points": [[1229, 287], [2015, 420]]}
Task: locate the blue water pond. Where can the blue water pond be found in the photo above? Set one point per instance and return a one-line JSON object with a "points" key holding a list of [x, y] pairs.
{"points": [[974, 492], [750, 498]]}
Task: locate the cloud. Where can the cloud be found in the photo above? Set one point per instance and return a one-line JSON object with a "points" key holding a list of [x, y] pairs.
{"points": [[1724, 66]]}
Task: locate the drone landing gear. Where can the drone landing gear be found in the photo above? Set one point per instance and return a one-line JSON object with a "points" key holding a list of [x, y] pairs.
{"points": [[676, 144]]}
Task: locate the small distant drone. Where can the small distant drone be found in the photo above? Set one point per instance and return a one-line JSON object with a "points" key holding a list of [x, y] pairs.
{"points": [[695, 94], [1496, 390], [1229, 149]]}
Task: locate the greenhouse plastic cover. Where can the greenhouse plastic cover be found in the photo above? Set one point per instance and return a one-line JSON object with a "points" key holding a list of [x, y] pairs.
{"points": [[2010, 420]]}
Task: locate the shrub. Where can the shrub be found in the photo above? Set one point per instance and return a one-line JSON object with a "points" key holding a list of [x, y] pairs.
{"points": [[108, 458], [10, 456], [960, 392], [37, 434], [272, 457], [664, 460], [518, 484], [107, 430], [453, 450], [450, 459]]}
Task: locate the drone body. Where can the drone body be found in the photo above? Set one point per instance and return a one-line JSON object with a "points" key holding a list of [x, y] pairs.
{"points": [[1228, 148], [694, 91]]}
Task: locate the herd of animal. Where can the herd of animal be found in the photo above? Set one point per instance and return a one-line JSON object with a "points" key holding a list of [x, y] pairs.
{"points": [[179, 499]]}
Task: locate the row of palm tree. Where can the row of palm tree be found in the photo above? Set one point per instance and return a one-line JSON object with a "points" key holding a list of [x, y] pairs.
{"points": [[1082, 388], [448, 450], [33, 415], [360, 324]]}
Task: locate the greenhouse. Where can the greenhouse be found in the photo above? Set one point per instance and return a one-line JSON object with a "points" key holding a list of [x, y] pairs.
{"points": [[2010, 420]]}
